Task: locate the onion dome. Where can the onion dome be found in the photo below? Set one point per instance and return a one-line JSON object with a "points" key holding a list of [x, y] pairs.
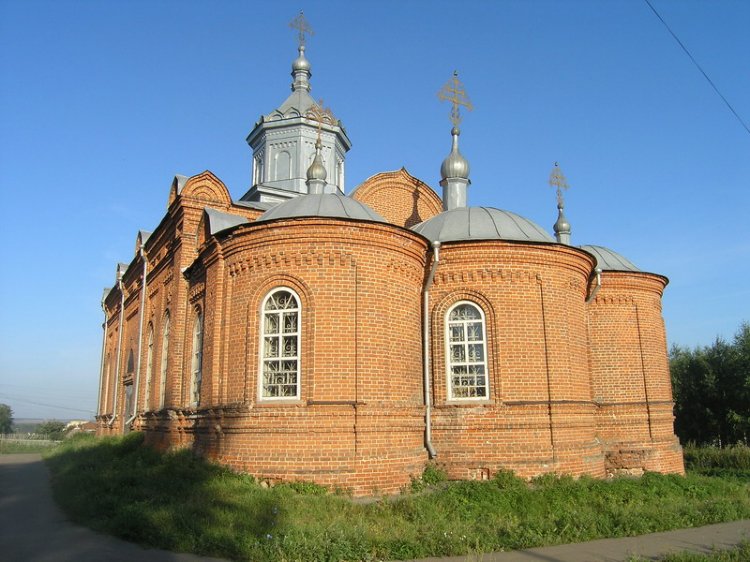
{"points": [[316, 173], [562, 227], [480, 223], [301, 63], [455, 165], [609, 260], [332, 205], [301, 72]]}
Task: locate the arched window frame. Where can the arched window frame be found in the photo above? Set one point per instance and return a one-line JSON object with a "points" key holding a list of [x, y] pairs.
{"points": [[270, 357], [164, 360], [196, 367], [149, 367], [474, 390]]}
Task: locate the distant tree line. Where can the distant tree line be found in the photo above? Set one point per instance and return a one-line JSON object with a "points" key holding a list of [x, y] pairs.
{"points": [[50, 429], [6, 419], [712, 391]]}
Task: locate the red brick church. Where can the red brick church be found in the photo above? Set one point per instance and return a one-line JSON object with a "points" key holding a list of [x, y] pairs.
{"points": [[300, 333]]}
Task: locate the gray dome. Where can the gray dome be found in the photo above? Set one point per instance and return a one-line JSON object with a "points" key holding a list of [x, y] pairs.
{"points": [[317, 171], [608, 260], [480, 223], [332, 205], [455, 165], [301, 63]]}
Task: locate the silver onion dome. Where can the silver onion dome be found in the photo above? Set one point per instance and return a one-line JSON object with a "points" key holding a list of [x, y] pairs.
{"points": [[455, 165], [317, 171]]}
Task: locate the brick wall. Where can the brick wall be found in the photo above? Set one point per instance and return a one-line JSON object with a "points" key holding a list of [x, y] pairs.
{"points": [[573, 387], [399, 197], [539, 416], [630, 374]]}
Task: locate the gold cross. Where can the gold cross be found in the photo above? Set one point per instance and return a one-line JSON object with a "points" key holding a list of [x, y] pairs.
{"points": [[321, 114], [557, 179], [454, 92], [302, 26]]}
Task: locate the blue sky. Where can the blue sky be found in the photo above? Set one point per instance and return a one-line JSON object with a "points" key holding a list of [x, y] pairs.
{"points": [[101, 103]]}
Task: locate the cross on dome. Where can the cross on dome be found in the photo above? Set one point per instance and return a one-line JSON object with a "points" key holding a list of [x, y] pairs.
{"points": [[320, 114], [557, 179], [302, 26], [454, 92]]}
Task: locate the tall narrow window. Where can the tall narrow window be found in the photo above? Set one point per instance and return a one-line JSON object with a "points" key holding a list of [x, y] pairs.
{"points": [[149, 367], [164, 361], [280, 340], [466, 356], [108, 371], [128, 399], [197, 366]]}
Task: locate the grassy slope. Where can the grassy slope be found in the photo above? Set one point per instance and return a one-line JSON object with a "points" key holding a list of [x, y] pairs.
{"points": [[178, 502]]}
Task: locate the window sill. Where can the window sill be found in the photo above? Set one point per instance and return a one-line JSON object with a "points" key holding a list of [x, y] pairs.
{"points": [[468, 403], [265, 403]]}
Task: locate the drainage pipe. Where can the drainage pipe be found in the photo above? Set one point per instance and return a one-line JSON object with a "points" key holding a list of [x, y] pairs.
{"points": [[120, 273], [140, 338], [598, 273], [105, 326], [426, 347]]}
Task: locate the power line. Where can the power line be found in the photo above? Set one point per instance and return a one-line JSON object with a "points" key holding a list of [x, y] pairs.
{"points": [[46, 405], [698, 66]]}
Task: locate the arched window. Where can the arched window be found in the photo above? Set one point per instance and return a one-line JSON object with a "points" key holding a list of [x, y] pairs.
{"points": [[466, 353], [283, 162], [131, 363], [164, 360], [149, 367], [108, 371], [279, 345], [197, 366]]}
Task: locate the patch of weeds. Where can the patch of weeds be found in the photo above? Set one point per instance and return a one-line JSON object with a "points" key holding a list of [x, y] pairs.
{"points": [[304, 487], [431, 477]]}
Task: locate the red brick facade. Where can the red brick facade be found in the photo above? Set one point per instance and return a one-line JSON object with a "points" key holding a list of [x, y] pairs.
{"points": [[572, 386]]}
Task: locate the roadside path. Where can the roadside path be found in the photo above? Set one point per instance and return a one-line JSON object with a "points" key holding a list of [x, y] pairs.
{"points": [[33, 529]]}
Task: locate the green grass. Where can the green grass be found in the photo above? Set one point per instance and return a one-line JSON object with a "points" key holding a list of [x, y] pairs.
{"points": [[14, 447], [178, 502], [741, 553], [731, 461]]}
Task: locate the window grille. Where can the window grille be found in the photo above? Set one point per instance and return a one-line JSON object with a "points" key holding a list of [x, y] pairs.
{"points": [[280, 341], [466, 356], [149, 367], [164, 360], [197, 358]]}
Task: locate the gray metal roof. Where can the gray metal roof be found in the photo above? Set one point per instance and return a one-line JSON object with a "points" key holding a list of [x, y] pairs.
{"points": [[180, 181], [259, 205], [608, 260], [332, 205], [144, 235], [481, 223], [219, 221]]}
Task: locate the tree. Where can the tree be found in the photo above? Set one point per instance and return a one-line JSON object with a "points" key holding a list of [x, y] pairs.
{"points": [[712, 390], [6, 419], [52, 429]]}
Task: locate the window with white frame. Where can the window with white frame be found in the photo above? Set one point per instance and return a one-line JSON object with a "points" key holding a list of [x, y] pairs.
{"points": [[164, 360], [466, 352], [149, 366], [197, 365], [279, 345]]}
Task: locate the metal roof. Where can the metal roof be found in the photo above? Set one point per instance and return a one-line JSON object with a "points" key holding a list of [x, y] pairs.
{"points": [[219, 221], [608, 260], [332, 205], [481, 223], [258, 205]]}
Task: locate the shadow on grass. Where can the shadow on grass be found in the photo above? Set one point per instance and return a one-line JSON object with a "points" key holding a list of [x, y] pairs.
{"points": [[173, 501]]}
